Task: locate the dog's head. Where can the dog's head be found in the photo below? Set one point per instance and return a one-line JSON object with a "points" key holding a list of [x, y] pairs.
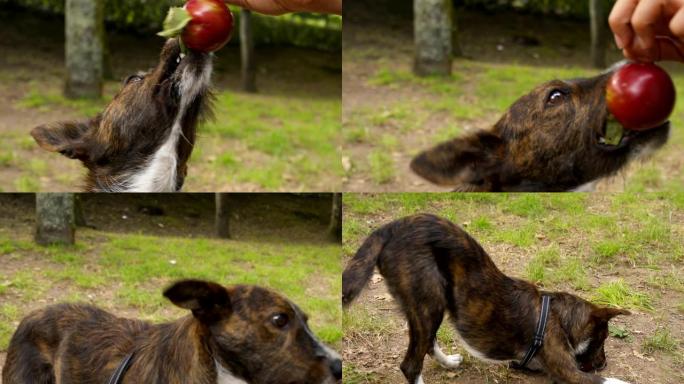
{"points": [[552, 139], [256, 335], [586, 327], [151, 107]]}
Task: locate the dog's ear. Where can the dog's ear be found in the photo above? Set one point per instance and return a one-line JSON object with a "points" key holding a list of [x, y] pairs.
{"points": [[207, 301], [469, 161], [66, 138], [606, 314]]}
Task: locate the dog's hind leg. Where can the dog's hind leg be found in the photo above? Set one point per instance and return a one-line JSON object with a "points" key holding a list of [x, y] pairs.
{"points": [[423, 326], [446, 361]]}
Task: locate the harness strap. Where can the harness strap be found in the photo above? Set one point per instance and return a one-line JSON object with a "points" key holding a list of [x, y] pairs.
{"points": [[539, 333], [118, 375]]}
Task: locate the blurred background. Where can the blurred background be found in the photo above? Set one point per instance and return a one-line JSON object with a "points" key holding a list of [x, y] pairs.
{"points": [[501, 50], [119, 252], [276, 127]]}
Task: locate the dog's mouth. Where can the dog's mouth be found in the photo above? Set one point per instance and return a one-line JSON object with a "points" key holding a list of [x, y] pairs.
{"points": [[591, 367], [177, 62], [613, 137]]}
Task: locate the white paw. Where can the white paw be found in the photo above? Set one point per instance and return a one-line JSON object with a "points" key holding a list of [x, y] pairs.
{"points": [[610, 380], [419, 380], [451, 361]]}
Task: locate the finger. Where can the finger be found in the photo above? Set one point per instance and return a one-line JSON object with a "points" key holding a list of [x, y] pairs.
{"points": [[670, 48], [640, 56], [268, 7], [239, 3], [644, 19], [619, 20], [677, 25]]}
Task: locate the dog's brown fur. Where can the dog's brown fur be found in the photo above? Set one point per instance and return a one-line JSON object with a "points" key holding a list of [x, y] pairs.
{"points": [[230, 326], [431, 266], [118, 142], [548, 140]]}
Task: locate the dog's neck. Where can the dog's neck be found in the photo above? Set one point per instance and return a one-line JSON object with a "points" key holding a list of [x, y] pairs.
{"points": [[183, 348]]}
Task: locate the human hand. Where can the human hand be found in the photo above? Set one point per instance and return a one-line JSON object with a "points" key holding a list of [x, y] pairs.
{"points": [[649, 30], [279, 7]]}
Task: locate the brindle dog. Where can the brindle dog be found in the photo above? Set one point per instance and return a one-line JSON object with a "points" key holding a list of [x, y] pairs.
{"points": [[235, 335], [552, 139], [143, 139], [431, 266]]}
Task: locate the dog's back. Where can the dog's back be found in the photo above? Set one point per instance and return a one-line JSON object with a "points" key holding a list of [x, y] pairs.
{"points": [[46, 335], [416, 255]]}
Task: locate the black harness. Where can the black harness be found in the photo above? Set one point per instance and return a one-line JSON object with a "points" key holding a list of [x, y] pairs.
{"points": [[538, 335], [117, 376]]}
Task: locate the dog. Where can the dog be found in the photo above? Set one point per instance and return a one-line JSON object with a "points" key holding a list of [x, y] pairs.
{"points": [[235, 335], [432, 266], [143, 139], [552, 139]]}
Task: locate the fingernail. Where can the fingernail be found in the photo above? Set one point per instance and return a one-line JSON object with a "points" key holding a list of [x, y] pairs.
{"points": [[618, 42]]}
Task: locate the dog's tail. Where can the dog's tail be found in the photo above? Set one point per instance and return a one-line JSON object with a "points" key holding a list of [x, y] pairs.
{"points": [[360, 267]]}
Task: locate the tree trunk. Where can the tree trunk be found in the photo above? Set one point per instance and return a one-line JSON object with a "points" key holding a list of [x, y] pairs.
{"points": [[247, 51], [433, 34], [223, 215], [455, 36], [79, 215], [84, 48], [335, 228], [599, 31], [107, 68], [55, 218]]}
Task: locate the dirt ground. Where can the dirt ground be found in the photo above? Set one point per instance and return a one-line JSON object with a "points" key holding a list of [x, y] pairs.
{"points": [[34, 62], [374, 350], [373, 44]]}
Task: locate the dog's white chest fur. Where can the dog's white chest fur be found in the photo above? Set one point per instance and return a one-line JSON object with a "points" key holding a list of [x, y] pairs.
{"points": [[223, 376], [160, 172]]}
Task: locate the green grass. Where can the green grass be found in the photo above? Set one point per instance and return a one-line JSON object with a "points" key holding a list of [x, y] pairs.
{"points": [[45, 100], [26, 184], [6, 158], [292, 135], [353, 376], [358, 320], [544, 259], [547, 267], [607, 250], [382, 166], [135, 268], [620, 294], [8, 313], [619, 332], [661, 341]]}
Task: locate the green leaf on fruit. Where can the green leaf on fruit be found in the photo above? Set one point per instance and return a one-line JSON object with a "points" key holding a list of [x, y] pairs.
{"points": [[176, 20], [614, 133]]}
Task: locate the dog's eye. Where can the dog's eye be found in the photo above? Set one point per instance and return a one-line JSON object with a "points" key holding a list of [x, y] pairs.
{"points": [[280, 320], [555, 97], [133, 79]]}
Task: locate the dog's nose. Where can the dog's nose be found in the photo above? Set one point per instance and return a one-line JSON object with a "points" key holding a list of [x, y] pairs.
{"points": [[336, 368]]}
